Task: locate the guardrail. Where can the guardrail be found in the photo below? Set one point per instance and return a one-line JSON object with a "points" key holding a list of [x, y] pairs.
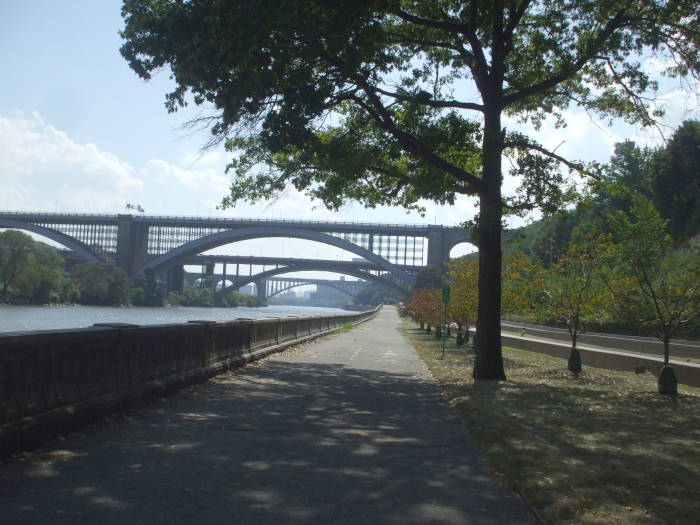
{"points": [[55, 381], [687, 373], [646, 345], [625, 353]]}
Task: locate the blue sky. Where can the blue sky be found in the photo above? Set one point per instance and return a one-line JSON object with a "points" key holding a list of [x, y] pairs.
{"points": [[79, 131]]}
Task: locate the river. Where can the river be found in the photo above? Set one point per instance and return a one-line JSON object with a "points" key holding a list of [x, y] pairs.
{"points": [[22, 318]]}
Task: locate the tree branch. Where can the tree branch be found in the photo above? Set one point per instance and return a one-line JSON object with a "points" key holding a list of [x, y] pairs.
{"points": [[590, 52], [513, 22], [433, 103], [426, 22], [526, 145], [411, 144]]}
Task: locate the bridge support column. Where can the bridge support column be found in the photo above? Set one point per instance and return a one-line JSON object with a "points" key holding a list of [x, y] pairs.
{"points": [[176, 278], [441, 241], [438, 252], [261, 289], [132, 243]]}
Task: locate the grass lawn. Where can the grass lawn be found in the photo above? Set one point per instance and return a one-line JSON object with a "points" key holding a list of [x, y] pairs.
{"points": [[603, 448]]}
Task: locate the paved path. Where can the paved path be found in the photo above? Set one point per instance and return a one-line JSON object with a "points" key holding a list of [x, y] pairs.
{"points": [[348, 429]]}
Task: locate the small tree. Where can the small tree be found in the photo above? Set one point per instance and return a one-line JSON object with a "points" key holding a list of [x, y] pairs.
{"points": [[430, 276], [426, 306], [464, 283], [573, 290], [659, 287], [523, 285]]}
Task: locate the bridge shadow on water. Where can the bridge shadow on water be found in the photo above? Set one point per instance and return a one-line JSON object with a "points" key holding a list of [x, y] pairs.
{"points": [[282, 442]]}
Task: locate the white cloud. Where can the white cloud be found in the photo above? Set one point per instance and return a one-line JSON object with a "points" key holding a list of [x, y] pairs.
{"points": [[206, 158], [206, 180], [656, 66], [43, 169], [583, 138]]}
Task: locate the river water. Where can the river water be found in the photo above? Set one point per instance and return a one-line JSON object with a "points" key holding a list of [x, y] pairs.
{"points": [[22, 318]]}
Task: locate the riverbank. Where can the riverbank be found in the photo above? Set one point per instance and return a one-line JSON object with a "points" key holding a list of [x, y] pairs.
{"points": [[601, 448]]}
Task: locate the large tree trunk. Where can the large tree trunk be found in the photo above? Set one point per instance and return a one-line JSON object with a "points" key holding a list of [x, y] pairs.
{"points": [[488, 363]]}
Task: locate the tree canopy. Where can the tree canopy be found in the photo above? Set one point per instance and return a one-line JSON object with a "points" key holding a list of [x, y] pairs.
{"points": [[676, 181], [102, 284], [29, 270], [393, 101]]}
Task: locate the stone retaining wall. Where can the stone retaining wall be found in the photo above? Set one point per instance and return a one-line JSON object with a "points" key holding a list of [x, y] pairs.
{"points": [[54, 381]]}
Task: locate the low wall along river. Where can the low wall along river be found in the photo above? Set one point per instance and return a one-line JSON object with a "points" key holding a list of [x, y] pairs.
{"points": [[54, 381]]}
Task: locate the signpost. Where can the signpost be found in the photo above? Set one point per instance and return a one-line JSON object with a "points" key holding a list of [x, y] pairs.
{"points": [[445, 302]]}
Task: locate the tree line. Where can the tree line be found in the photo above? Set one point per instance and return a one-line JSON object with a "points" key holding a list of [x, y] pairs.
{"points": [[668, 176], [32, 272]]}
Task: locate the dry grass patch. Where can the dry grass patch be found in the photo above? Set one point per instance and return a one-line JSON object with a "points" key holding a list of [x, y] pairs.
{"points": [[600, 448]]}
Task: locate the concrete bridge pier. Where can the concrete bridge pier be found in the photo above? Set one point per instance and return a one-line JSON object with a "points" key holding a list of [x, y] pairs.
{"points": [[442, 240], [132, 244], [176, 278], [261, 289]]}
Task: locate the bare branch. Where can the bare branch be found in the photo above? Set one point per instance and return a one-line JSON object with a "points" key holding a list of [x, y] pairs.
{"points": [[544, 151], [432, 103]]}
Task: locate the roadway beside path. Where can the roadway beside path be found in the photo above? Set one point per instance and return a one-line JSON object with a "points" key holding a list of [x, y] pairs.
{"points": [[347, 429]]}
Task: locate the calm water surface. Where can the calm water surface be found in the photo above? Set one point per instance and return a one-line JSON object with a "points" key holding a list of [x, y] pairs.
{"points": [[21, 318]]}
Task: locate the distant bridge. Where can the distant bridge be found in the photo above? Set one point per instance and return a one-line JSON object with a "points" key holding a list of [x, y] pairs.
{"points": [[161, 244], [275, 285], [241, 270]]}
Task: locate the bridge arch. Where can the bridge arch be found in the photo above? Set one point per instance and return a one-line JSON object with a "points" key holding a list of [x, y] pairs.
{"points": [[327, 285], [366, 276], [170, 258], [77, 246], [455, 238]]}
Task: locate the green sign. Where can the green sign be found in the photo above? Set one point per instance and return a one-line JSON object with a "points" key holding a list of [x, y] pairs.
{"points": [[445, 294]]}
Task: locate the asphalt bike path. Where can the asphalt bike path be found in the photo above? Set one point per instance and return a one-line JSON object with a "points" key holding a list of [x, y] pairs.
{"points": [[347, 429]]}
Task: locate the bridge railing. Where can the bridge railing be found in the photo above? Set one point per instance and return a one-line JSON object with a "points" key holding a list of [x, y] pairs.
{"points": [[54, 381], [193, 219]]}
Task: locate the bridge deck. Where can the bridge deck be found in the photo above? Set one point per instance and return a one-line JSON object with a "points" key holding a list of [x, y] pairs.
{"points": [[217, 222], [348, 429]]}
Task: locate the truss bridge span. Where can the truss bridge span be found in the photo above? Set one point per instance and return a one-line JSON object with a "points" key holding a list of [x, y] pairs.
{"points": [[163, 244]]}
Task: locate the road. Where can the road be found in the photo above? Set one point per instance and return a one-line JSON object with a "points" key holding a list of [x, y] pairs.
{"points": [[680, 350]]}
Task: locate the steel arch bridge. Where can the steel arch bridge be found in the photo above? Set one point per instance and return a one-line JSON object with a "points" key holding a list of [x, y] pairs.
{"points": [[277, 285], [223, 283], [162, 244]]}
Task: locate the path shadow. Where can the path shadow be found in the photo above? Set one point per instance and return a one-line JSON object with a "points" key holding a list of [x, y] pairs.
{"points": [[278, 443]]}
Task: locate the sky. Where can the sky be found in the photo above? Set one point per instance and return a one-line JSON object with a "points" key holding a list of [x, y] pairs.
{"points": [[80, 132]]}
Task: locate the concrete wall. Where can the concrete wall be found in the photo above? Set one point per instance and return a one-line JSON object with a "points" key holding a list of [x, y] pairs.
{"points": [[686, 372], [54, 381], [646, 345]]}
